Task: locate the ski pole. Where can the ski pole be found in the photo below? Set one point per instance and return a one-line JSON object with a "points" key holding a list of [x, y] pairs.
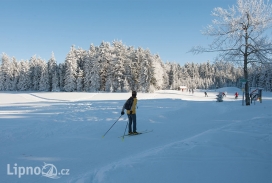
{"points": [[125, 131], [111, 127]]}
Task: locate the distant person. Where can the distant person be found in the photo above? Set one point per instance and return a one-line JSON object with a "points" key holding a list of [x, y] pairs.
{"points": [[131, 113], [192, 91], [236, 95], [224, 95], [206, 95]]}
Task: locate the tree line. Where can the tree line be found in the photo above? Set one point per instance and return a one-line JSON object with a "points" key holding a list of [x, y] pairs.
{"points": [[115, 67]]}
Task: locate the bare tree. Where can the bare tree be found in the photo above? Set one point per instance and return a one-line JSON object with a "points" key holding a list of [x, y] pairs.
{"points": [[240, 35]]}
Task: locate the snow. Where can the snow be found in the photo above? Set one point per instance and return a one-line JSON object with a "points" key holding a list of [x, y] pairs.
{"points": [[194, 139]]}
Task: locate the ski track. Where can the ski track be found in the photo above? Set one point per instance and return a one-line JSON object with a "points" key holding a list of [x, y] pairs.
{"points": [[98, 175]]}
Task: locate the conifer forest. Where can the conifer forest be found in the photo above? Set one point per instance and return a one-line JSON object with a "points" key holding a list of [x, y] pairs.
{"points": [[115, 67]]}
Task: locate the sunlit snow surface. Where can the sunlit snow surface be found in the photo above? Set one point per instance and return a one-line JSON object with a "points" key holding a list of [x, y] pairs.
{"points": [[194, 140]]}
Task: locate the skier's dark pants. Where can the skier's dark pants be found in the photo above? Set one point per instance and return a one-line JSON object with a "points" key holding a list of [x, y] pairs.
{"points": [[132, 120]]}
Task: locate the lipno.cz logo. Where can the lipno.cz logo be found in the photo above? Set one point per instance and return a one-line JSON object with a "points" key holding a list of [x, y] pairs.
{"points": [[47, 170]]}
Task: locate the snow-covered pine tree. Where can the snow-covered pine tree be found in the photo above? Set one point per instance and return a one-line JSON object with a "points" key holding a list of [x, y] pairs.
{"points": [[79, 81], [179, 76], [109, 76], [44, 79], [143, 75], [151, 72], [158, 72], [6, 73], [15, 74], [129, 66], [87, 67], [35, 72], [196, 75], [172, 75], [108, 85], [176, 78], [3, 72], [55, 81], [53, 74], [165, 79], [61, 73], [95, 76], [136, 69], [81, 56], [167, 68], [104, 57], [202, 70], [24, 82], [70, 72], [126, 87], [118, 69], [185, 77], [146, 76]]}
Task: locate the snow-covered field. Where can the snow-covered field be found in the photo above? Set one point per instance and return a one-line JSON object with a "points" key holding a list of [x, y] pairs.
{"points": [[194, 139]]}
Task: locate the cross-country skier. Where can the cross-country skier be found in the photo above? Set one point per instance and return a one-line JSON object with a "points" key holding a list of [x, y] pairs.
{"points": [[131, 114]]}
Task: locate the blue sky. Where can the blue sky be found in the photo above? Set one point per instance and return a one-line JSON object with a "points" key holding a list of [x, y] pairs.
{"points": [[169, 28]]}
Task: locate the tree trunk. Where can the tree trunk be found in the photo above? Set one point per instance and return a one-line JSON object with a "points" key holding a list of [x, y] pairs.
{"points": [[245, 64], [246, 78]]}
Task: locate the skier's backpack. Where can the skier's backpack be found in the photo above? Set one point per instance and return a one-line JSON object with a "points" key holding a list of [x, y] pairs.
{"points": [[129, 103]]}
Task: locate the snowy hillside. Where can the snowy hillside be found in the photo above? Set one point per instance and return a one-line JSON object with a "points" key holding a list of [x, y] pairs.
{"points": [[57, 137]]}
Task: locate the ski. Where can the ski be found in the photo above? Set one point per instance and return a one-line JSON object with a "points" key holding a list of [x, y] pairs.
{"points": [[139, 133]]}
